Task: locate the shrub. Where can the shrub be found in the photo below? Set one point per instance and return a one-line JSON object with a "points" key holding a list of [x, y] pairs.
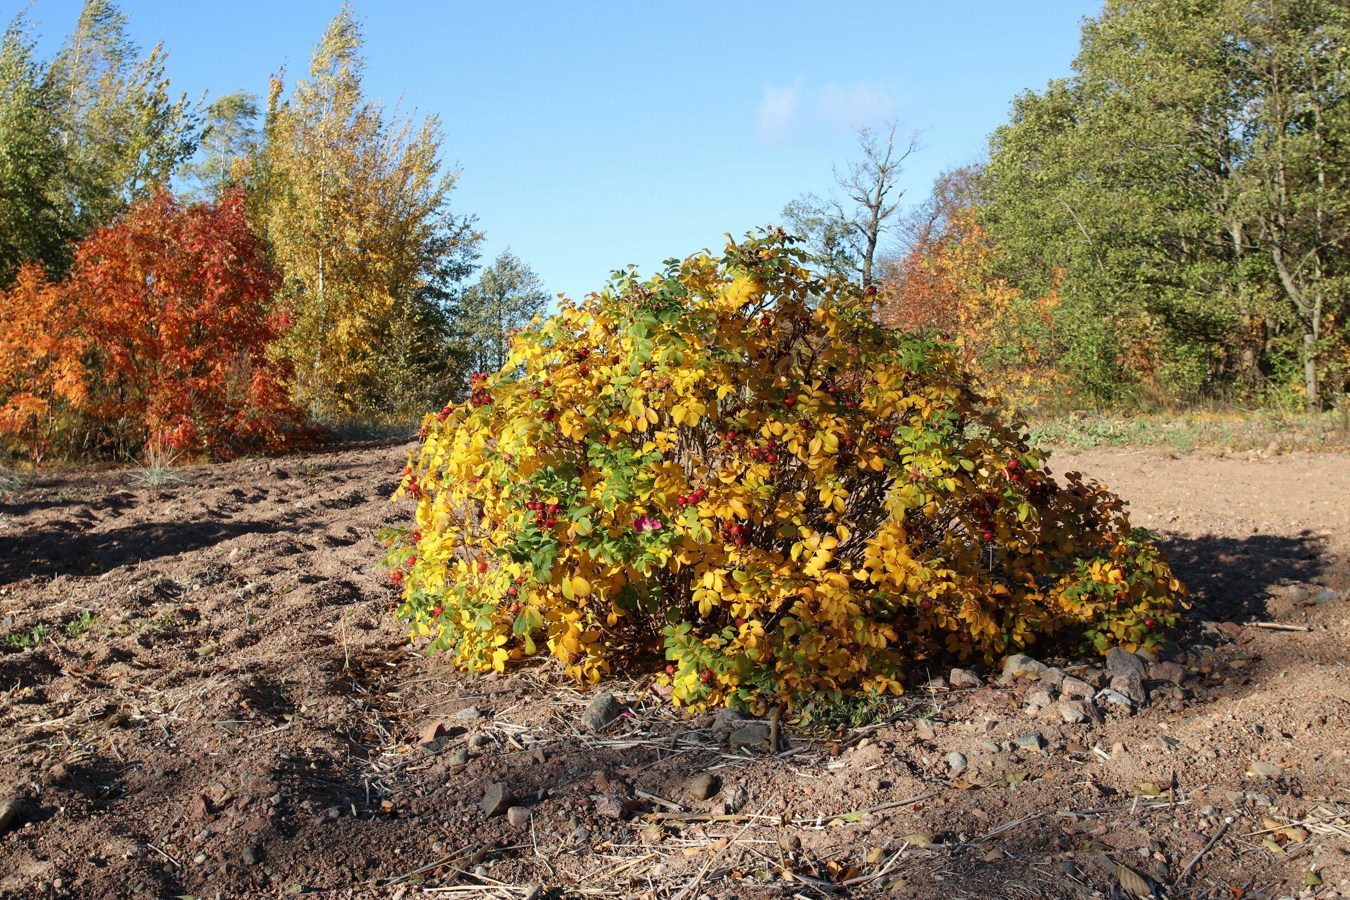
{"points": [[734, 465]]}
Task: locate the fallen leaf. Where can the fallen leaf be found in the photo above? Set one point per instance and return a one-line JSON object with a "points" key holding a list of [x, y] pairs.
{"points": [[1132, 882], [875, 855]]}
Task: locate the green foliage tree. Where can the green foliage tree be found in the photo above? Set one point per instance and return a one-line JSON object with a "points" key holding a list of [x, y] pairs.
{"points": [[1196, 152], [506, 297], [229, 143], [123, 132], [35, 213], [356, 209]]}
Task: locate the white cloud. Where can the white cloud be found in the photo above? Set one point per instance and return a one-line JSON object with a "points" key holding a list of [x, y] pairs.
{"points": [[843, 107], [778, 111]]}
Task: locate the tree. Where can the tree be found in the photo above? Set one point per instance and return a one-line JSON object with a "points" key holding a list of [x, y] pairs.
{"points": [[844, 233], [1198, 150], [507, 296], [35, 213], [229, 143], [180, 301], [356, 210], [123, 132], [42, 379]]}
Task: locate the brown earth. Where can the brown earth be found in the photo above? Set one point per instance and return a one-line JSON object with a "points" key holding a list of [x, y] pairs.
{"points": [[216, 701]]}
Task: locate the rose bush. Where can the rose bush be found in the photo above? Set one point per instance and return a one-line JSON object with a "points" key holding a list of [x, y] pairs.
{"points": [[733, 466]]}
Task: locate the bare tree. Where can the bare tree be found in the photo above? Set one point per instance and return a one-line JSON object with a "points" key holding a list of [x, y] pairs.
{"points": [[844, 231]]}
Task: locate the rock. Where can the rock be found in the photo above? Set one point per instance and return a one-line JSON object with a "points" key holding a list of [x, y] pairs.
{"points": [[923, 730], [518, 817], [1032, 741], [11, 811], [1147, 655], [1167, 742], [736, 797], [58, 774], [937, 685], [458, 757], [1038, 700], [1053, 676], [956, 761], [1073, 712], [1167, 671], [1121, 661], [789, 842], [468, 714], [251, 855], [963, 678], [431, 731], [1109, 697], [1298, 595], [1131, 684], [703, 786], [728, 720], [1019, 665], [496, 799], [750, 736], [200, 811], [609, 806], [989, 746], [1261, 769], [603, 710], [1326, 596], [1072, 688], [479, 741]]}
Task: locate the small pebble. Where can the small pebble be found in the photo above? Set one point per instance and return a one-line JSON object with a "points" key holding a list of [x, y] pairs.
{"points": [[518, 817], [956, 761]]}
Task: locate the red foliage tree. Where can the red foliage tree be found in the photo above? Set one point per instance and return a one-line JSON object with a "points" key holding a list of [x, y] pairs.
{"points": [[42, 378], [178, 301]]}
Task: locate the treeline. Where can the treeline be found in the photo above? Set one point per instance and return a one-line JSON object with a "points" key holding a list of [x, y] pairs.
{"points": [[226, 278], [1171, 223]]}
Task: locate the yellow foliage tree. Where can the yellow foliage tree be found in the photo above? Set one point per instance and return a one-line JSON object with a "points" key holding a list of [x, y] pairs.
{"points": [[356, 210]]}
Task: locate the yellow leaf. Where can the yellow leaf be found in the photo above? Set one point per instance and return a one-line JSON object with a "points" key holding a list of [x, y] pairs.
{"points": [[580, 586]]}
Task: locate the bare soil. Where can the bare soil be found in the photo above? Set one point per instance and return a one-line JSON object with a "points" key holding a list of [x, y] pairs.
{"points": [[205, 694]]}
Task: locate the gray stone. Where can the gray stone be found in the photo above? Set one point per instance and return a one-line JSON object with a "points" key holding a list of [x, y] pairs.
{"points": [[1326, 596], [937, 685], [603, 710], [1167, 671], [1120, 661], [703, 786], [1073, 688], [251, 855], [956, 761], [963, 678], [1147, 655], [1053, 675], [1131, 684], [1108, 697], [728, 720], [989, 746], [1263, 769], [1038, 700], [1032, 741], [1073, 712], [610, 806], [479, 741], [923, 730], [1167, 742], [752, 736], [468, 714], [458, 757], [736, 798], [1019, 665], [518, 817], [497, 799], [1298, 595], [11, 810]]}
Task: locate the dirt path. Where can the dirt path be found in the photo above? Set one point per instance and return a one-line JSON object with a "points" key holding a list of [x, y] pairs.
{"points": [[214, 700]]}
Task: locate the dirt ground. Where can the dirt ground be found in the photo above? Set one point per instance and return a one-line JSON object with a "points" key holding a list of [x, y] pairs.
{"points": [[205, 694]]}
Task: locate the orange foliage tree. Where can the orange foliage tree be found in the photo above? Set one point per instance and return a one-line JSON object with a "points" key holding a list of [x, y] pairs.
{"points": [[41, 374], [945, 285], [180, 301]]}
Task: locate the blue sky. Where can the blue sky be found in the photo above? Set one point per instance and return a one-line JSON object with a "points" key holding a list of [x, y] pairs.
{"points": [[594, 135]]}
